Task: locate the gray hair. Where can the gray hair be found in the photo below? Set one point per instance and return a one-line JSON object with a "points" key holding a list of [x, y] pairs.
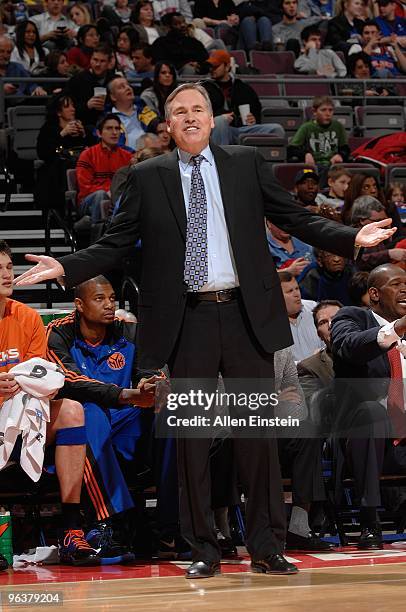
{"points": [[185, 87], [363, 207], [142, 140]]}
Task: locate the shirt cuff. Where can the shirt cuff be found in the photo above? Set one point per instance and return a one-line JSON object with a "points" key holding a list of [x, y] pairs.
{"points": [[387, 335]]}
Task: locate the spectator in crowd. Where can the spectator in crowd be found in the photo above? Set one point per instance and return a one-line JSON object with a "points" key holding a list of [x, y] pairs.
{"points": [[344, 29], [320, 365], [305, 339], [306, 189], [287, 32], [327, 279], [56, 66], [126, 43], [143, 62], [314, 59], [322, 141], [165, 81], [28, 50], [97, 353], [222, 16], [227, 94], [96, 167], [81, 87], [389, 24], [118, 14], [14, 69], [209, 43], [364, 346], [255, 27], [8, 16], [164, 137], [288, 252], [164, 7], [338, 180], [364, 185], [79, 14], [358, 289], [386, 60], [360, 67], [55, 29], [60, 141], [367, 209], [143, 19], [300, 459], [22, 338], [187, 54], [396, 197], [135, 116], [88, 39]]}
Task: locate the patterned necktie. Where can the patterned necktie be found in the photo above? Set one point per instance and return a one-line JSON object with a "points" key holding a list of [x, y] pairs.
{"points": [[196, 261]]}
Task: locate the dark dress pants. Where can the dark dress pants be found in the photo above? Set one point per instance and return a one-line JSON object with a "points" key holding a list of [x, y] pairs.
{"points": [[216, 337]]}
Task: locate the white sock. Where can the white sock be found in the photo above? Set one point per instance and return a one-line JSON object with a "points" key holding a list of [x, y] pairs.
{"points": [[299, 522]]}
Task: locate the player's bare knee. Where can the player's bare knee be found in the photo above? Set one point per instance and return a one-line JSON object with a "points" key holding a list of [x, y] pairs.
{"points": [[72, 414]]}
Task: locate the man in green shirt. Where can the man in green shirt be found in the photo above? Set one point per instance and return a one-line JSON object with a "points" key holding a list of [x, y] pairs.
{"points": [[321, 141]]}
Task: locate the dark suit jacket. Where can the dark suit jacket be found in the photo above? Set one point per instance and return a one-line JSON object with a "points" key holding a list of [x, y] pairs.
{"points": [[153, 208]]}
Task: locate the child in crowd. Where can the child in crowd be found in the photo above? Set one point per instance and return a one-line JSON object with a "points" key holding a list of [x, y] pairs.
{"points": [[396, 195], [338, 180], [323, 140]]}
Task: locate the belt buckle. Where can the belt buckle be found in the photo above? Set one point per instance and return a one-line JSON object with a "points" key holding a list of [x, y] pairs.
{"points": [[223, 295]]}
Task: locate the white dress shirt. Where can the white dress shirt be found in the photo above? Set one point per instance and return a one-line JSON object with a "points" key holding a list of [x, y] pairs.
{"points": [[222, 272], [45, 23], [387, 336]]}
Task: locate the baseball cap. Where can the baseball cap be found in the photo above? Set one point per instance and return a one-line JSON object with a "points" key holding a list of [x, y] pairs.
{"points": [[219, 57], [302, 175]]}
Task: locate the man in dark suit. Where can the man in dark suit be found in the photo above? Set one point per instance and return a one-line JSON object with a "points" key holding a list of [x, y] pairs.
{"points": [[365, 345], [210, 299]]}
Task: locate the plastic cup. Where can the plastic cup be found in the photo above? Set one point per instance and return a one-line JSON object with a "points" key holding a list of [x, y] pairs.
{"points": [[244, 112]]}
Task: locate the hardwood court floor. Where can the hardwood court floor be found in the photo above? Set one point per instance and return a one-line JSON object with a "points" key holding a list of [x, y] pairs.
{"points": [[377, 585]]}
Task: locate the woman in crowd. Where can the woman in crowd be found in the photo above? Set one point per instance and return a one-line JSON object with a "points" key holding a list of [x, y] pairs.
{"points": [[28, 50], [143, 20], [165, 81], [126, 42], [88, 38], [359, 67], [56, 67], [79, 14], [167, 143], [60, 141], [362, 185], [345, 26]]}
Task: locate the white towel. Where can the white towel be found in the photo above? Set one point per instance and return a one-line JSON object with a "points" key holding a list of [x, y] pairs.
{"points": [[27, 413]]}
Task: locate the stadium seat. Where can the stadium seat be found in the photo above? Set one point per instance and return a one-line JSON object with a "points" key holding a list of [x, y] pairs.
{"points": [[379, 120], [289, 118], [240, 57], [273, 62], [395, 173], [356, 141], [272, 148], [263, 87], [25, 123], [306, 91], [285, 173]]}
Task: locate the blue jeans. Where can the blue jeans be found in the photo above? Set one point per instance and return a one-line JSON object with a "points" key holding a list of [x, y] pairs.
{"points": [[224, 134], [255, 30], [91, 205]]}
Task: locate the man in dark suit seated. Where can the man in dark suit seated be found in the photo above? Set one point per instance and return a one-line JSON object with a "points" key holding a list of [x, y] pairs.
{"points": [[367, 344]]}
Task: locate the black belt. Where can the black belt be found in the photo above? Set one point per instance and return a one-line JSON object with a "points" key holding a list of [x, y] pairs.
{"points": [[225, 295]]}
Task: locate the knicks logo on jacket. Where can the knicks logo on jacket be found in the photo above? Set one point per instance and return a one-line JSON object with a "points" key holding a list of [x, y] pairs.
{"points": [[116, 361], [9, 356]]}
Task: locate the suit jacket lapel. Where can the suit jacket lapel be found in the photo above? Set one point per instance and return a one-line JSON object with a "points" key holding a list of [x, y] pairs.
{"points": [[169, 172], [228, 178]]}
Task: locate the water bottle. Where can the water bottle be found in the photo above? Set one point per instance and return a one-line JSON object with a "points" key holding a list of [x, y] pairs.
{"points": [[20, 12], [6, 536]]}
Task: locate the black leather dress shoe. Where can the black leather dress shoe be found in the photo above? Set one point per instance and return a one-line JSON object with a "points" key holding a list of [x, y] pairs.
{"points": [[227, 547], [201, 569], [274, 564], [370, 538], [311, 543], [3, 563]]}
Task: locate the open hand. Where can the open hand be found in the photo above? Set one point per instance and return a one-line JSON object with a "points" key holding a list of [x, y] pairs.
{"points": [[374, 233], [47, 268]]}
